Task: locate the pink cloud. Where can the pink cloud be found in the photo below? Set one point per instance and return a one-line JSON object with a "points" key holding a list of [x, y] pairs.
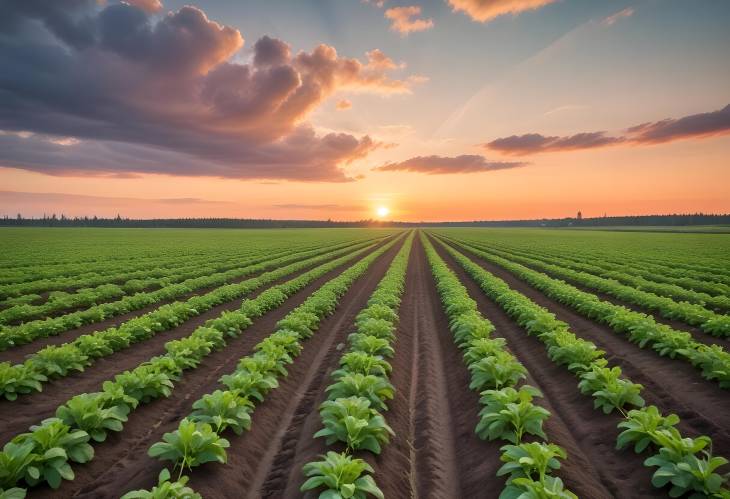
{"points": [[150, 6], [688, 127], [486, 10], [405, 20], [343, 105], [439, 165]]}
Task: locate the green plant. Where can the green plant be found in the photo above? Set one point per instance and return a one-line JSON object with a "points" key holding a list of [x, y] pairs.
{"points": [[609, 390], [533, 460], [499, 370], [165, 489], [363, 363], [54, 445], [192, 444], [641, 425], [681, 468], [223, 409], [352, 421], [371, 345], [19, 379], [252, 385], [508, 414], [14, 461], [342, 476], [551, 487], [145, 383], [87, 412], [374, 388]]}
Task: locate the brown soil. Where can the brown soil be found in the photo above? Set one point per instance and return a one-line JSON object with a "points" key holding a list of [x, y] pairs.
{"points": [[673, 385], [121, 463], [32, 408]]}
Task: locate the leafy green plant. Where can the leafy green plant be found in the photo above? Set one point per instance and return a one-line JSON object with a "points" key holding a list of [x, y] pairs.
{"points": [[374, 388], [682, 469], [641, 425], [342, 476], [14, 461], [145, 383], [499, 370], [223, 409], [252, 385], [363, 363], [551, 487], [480, 348], [87, 412], [609, 390], [54, 445], [192, 444], [371, 345], [377, 327], [508, 414], [165, 489], [352, 421], [533, 460], [19, 379]]}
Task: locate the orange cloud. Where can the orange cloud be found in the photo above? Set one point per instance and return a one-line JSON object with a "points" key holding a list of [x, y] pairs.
{"points": [[439, 165], [150, 6], [405, 20], [693, 126], [343, 105], [486, 10]]}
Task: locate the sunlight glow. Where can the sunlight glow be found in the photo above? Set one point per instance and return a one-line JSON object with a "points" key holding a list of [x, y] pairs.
{"points": [[382, 211]]}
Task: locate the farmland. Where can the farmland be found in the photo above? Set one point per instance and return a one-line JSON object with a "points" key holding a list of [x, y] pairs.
{"points": [[429, 363]]}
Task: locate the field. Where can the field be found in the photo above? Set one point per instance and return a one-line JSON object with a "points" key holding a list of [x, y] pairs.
{"points": [[429, 363]]}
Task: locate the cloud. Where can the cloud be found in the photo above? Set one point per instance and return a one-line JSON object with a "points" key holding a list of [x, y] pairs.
{"points": [[343, 105], [439, 165], [693, 126], [486, 10], [612, 19], [299, 206], [405, 20], [532, 143], [150, 6], [378, 3], [129, 93]]}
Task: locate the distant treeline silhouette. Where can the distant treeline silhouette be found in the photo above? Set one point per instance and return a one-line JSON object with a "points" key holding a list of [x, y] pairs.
{"points": [[243, 223]]}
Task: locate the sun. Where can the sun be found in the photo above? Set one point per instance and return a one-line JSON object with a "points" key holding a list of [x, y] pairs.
{"points": [[382, 211]]}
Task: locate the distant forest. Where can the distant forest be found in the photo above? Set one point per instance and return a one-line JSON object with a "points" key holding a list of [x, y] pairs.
{"points": [[677, 220]]}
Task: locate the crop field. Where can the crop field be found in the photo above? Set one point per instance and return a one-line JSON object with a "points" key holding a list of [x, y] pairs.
{"points": [[356, 363]]}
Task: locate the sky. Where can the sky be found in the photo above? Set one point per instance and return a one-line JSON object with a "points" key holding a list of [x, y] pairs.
{"points": [[351, 109]]}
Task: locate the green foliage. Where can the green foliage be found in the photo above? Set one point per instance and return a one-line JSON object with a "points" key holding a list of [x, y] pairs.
{"points": [[499, 370], [533, 460], [352, 421], [165, 489], [363, 363], [223, 409], [251, 385], [54, 444], [192, 444], [609, 390], [376, 389], [371, 345], [641, 425], [88, 412], [342, 477], [19, 379], [509, 414]]}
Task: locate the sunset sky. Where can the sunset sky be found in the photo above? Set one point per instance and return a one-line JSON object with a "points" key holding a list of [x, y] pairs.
{"points": [[315, 109]]}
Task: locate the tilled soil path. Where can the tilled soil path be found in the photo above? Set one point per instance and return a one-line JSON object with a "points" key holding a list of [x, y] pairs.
{"points": [[673, 385], [122, 464]]}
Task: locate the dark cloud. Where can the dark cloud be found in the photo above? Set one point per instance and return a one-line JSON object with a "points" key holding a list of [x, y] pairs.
{"points": [[693, 126], [437, 165], [532, 143], [142, 94]]}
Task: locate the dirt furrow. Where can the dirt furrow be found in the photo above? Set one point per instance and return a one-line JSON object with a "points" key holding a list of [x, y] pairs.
{"points": [[32, 408], [594, 468], [671, 384], [122, 463]]}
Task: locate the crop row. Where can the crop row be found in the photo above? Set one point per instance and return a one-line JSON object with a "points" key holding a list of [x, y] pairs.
{"points": [[508, 413], [650, 273], [715, 301], [684, 464], [358, 395], [61, 301], [44, 454], [694, 314], [25, 333], [198, 440], [59, 361], [642, 329]]}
